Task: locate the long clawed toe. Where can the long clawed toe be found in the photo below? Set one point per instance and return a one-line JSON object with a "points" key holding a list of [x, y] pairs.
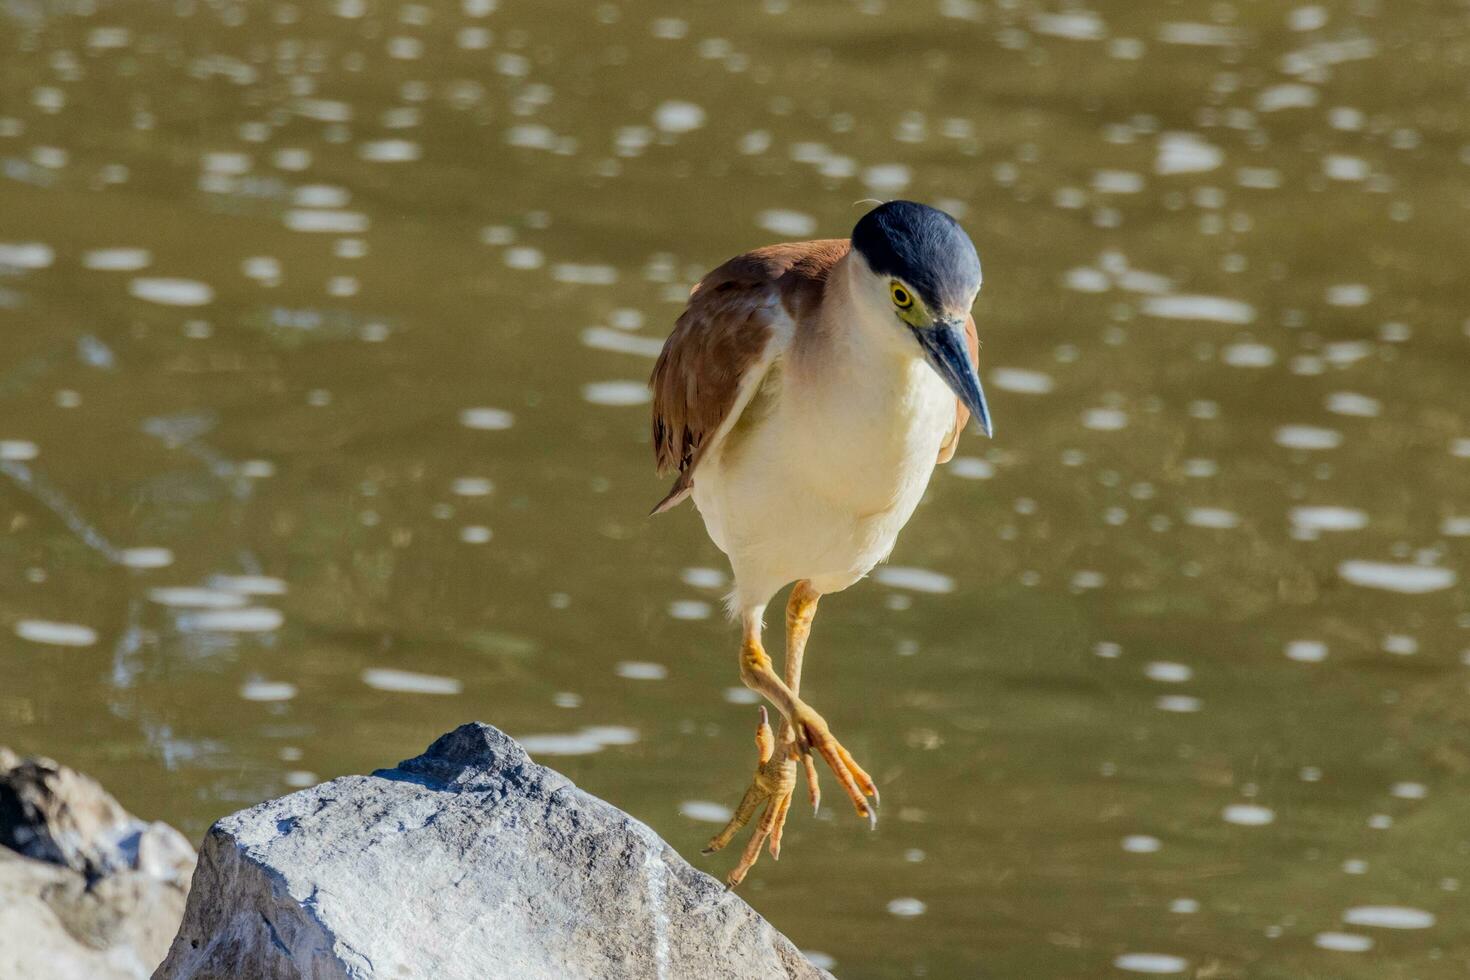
{"points": [[815, 735], [774, 785]]}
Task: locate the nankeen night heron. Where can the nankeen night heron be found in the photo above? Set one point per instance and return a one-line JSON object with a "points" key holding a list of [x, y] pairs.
{"points": [[804, 398]]}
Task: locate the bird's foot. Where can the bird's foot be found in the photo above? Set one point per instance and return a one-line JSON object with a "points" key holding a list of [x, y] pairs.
{"points": [[772, 786], [812, 733]]}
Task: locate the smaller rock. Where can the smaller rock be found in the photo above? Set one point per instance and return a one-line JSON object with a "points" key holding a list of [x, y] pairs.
{"points": [[87, 890]]}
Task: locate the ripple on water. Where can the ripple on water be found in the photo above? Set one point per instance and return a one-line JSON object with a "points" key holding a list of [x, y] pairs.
{"points": [[26, 255], [1161, 963], [172, 292], [641, 670], [705, 811], [907, 908], [326, 222], [1343, 942], [1141, 844], [1022, 381], [55, 634], [1352, 403], [677, 116], [1212, 309], [1248, 814], [1168, 672], [248, 584], [486, 418], [971, 468], [617, 393], [1328, 518], [794, 224], [703, 578], [1215, 518], [248, 619], [409, 682], [914, 579], [1388, 917], [690, 609], [117, 259], [146, 557], [1307, 437], [192, 597], [18, 450], [1105, 419], [258, 690], [1186, 153], [390, 151], [1182, 704], [1406, 579], [593, 738], [1307, 651], [606, 338]]}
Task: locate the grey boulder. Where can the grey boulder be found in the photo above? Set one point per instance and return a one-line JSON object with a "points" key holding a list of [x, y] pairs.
{"points": [[87, 890], [470, 861]]}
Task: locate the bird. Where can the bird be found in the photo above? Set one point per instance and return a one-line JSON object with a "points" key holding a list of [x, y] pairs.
{"points": [[803, 398]]}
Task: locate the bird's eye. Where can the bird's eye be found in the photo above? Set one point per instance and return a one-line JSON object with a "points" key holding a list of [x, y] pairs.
{"points": [[901, 297]]}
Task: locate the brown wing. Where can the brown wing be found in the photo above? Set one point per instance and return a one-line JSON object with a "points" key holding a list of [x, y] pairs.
{"points": [[961, 413], [721, 346]]}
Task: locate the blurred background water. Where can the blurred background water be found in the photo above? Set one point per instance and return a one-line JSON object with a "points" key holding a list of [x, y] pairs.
{"points": [[323, 338]]}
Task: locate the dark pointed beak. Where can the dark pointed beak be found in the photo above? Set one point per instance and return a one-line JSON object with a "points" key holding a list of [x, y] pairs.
{"points": [[948, 354]]}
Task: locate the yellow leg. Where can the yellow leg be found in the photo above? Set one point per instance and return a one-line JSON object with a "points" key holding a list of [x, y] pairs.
{"points": [[802, 730]]}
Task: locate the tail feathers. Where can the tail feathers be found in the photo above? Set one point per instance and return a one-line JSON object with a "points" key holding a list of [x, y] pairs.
{"points": [[682, 488]]}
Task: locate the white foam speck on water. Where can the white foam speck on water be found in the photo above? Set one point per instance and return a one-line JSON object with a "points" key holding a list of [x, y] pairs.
{"points": [[1184, 906], [887, 178], [1343, 942], [471, 486], [300, 779], [258, 690], [1306, 651], [325, 221], [641, 670], [248, 584], [409, 682], [1186, 153], [690, 609], [116, 259], [907, 908], [26, 255], [1079, 25], [323, 110], [146, 557], [1454, 526], [1022, 381], [321, 196], [1410, 791], [1352, 403], [1308, 18], [1105, 419], [490, 419], [475, 534], [172, 292], [1348, 294], [1340, 166], [677, 116], [1460, 448], [1288, 95], [1141, 844], [1118, 182], [55, 634], [1405, 579], [1259, 178], [1212, 309], [523, 257], [704, 578], [249, 619], [820, 960], [616, 393], [606, 338], [1212, 517], [230, 164], [705, 811], [1199, 35], [1248, 814], [1328, 518], [1249, 355], [914, 579], [1160, 963], [1182, 704], [794, 224], [971, 468], [18, 450], [1085, 279], [584, 273], [1307, 437], [1168, 672], [192, 597], [593, 738], [741, 695], [1400, 645], [1388, 917]]}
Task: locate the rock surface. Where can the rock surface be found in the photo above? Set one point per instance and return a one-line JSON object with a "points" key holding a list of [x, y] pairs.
{"points": [[470, 861], [87, 890]]}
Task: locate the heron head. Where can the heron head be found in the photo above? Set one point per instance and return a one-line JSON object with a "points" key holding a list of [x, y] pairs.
{"points": [[925, 273]]}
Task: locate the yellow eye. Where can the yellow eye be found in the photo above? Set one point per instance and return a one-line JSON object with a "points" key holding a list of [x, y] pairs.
{"points": [[901, 297]]}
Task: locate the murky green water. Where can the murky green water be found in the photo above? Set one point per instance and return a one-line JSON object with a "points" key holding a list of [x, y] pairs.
{"points": [[347, 308]]}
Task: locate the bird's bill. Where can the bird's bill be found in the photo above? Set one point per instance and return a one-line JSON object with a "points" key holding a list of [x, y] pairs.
{"points": [[949, 354]]}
